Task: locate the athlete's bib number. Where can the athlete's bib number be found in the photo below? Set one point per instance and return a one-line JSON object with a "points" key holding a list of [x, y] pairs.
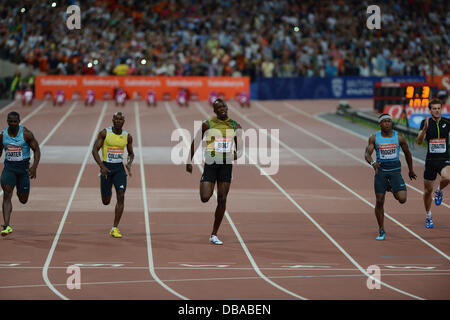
{"points": [[388, 151], [438, 146], [222, 144], [114, 155], [14, 153]]}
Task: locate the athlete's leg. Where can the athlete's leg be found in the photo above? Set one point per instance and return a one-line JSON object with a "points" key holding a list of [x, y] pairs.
{"points": [[398, 187], [445, 177], [206, 190], [7, 204], [119, 179], [379, 209], [222, 193], [8, 182], [106, 189], [401, 196], [427, 192], [23, 197], [23, 187], [119, 206]]}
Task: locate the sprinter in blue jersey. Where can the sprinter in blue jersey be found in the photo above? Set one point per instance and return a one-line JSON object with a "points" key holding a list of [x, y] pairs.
{"points": [[387, 166], [17, 141]]}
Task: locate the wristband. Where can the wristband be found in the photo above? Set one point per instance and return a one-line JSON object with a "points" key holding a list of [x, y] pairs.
{"points": [[373, 162]]}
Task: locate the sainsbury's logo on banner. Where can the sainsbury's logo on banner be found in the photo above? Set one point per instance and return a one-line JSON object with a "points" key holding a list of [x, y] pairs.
{"points": [[225, 83], [184, 83], [442, 82], [101, 82], [142, 83], [59, 82], [396, 111]]}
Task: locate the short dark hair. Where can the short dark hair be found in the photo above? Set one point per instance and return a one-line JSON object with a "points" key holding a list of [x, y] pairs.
{"points": [[435, 101], [15, 114], [217, 101]]}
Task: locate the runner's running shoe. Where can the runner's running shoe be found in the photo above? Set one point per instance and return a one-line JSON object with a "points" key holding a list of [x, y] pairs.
{"points": [[215, 240], [438, 197], [115, 233], [381, 235], [429, 223], [6, 230]]}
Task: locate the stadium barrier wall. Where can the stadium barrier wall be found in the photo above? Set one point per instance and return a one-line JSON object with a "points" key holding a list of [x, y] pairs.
{"points": [[136, 87], [345, 87]]}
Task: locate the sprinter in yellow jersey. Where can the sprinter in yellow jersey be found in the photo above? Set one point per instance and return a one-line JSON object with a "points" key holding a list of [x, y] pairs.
{"points": [[113, 141], [222, 134]]}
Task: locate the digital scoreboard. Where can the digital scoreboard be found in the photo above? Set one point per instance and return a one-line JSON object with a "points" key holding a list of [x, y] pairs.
{"points": [[414, 94]]}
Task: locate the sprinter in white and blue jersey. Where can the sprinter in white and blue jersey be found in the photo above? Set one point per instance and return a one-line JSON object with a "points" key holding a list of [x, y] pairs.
{"points": [[387, 166], [17, 141]]}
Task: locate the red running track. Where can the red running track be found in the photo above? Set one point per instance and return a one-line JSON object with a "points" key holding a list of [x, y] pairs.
{"points": [[307, 232]]}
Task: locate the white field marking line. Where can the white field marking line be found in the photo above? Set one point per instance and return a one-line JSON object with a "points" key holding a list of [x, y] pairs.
{"points": [[105, 262], [316, 117], [287, 269], [346, 254], [66, 212], [146, 213], [9, 105], [350, 190], [60, 122], [28, 116], [224, 279], [230, 221]]}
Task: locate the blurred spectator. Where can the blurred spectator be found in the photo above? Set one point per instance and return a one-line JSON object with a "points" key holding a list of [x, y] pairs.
{"points": [[121, 69], [15, 84], [217, 38], [267, 68]]}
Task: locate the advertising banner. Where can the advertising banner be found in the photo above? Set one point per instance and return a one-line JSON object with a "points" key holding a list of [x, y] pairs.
{"points": [[442, 82], [324, 88], [136, 87], [415, 114]]}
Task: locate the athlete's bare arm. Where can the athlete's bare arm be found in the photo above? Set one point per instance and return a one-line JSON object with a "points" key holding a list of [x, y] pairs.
{"points": [[130, 154], [34, 145], [238, 142], [408, 156], [96, 147], [423, 132], [196, 142], [368, 154], [1, 144]]}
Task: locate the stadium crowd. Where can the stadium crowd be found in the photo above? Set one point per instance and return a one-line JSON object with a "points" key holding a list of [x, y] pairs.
{"points": [[228, 38]]}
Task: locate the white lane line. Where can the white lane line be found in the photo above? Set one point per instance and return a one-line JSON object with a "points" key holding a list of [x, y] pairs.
{"points": [[60, 122], [146, 212], [28, 116], [230, 221], [290, 269], [336, 244], [228, 279], [8, 106], [350, 190], [66, 212]]}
